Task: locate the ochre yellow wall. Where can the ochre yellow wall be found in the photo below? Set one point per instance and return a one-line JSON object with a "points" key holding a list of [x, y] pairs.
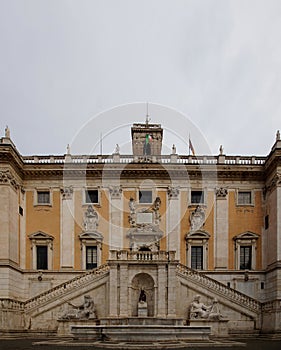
{"points": [[43, 218], [243, 219]]}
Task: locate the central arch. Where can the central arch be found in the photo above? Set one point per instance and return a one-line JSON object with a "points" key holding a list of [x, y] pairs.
{"points": [[143, 281]]}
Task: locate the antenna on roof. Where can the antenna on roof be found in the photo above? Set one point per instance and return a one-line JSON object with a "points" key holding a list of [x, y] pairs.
{"points": [[147, 120]]}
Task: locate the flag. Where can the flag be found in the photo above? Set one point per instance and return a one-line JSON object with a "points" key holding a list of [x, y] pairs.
{"points": [[148, 138], [191, 148]]}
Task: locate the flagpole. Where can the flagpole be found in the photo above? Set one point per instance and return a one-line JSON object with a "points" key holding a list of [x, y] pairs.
{"points": [[189, 144], [101, 143]]}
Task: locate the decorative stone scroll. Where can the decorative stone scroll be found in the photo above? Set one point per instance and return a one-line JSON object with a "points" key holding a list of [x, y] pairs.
{"points": [[221, 192], [7, 178], [67, 192], [197, 218], [173, 192], [115, 192]]}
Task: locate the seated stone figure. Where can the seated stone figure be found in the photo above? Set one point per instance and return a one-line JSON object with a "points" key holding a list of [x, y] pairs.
{"points": [[198, 309], [87, 310], [215, 314]]}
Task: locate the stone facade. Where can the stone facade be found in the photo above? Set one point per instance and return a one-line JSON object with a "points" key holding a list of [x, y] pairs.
{"points": [[109, 227]]}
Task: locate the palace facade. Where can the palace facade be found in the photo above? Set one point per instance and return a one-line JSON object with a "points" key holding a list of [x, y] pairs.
{"points": [[108, 225]]}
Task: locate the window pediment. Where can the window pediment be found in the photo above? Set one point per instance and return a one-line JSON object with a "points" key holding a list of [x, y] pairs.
{"points": [[199, 234], [246, 236], [40, 235]]}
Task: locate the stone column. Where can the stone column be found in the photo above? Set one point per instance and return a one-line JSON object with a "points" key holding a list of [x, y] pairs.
{"points": [[221, 229], [162, 292], [173, 221], [123, 290], [116, 218], [67, 228]]}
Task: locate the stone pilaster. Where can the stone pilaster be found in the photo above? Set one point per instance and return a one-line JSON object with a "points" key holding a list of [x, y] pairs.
{"points": [[221, 229], [124, 290], [172, 286], [173, 220], [9, 213], [113, 291], [67, 228], [162, 291], [116, 218]]}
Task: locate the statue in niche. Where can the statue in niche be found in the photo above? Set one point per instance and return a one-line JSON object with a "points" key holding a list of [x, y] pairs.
{"points": [[142, 297], [197, 218], [91, 219], [86, 310]]}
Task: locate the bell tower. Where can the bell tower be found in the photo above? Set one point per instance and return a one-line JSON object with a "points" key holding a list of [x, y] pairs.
{"points": [[147, 139]]}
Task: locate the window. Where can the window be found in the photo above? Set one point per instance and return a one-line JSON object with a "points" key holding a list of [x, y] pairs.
{"points": [[197, 249], [266, 222], [244, 197], [91, 258], [145, 197], [245, 257], [91, 196], [245, 245], [42, 257], [20, 210], [42, 250], [43, 197], [197, 257], [197, 197]]}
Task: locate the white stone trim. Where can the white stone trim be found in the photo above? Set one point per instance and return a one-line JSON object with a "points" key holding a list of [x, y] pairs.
{"points": [[245, 239], [197, 239], [87, 241], [42, 189], [41, 239]]}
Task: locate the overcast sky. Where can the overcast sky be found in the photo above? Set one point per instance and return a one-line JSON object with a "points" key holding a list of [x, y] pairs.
{"points": [[67, 64]]}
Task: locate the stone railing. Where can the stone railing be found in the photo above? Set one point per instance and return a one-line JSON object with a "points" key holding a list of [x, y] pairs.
{"points": [[10, 304], [219, 288], [128, 158], [142, 255], [65, 287]]}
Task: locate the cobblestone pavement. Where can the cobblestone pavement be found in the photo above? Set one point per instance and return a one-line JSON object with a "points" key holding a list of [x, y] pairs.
{"points": [[41, 344]]}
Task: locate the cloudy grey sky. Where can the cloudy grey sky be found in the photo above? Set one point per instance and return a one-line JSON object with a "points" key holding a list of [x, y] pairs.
{"points": [[65, 62]]}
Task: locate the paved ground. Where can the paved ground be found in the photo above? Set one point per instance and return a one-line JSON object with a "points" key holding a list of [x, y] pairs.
{"points": [[41, 344]]}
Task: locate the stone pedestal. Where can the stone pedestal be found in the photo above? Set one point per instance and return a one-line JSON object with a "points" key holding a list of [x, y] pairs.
{"points": [[142, 309], [218, 328]]}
